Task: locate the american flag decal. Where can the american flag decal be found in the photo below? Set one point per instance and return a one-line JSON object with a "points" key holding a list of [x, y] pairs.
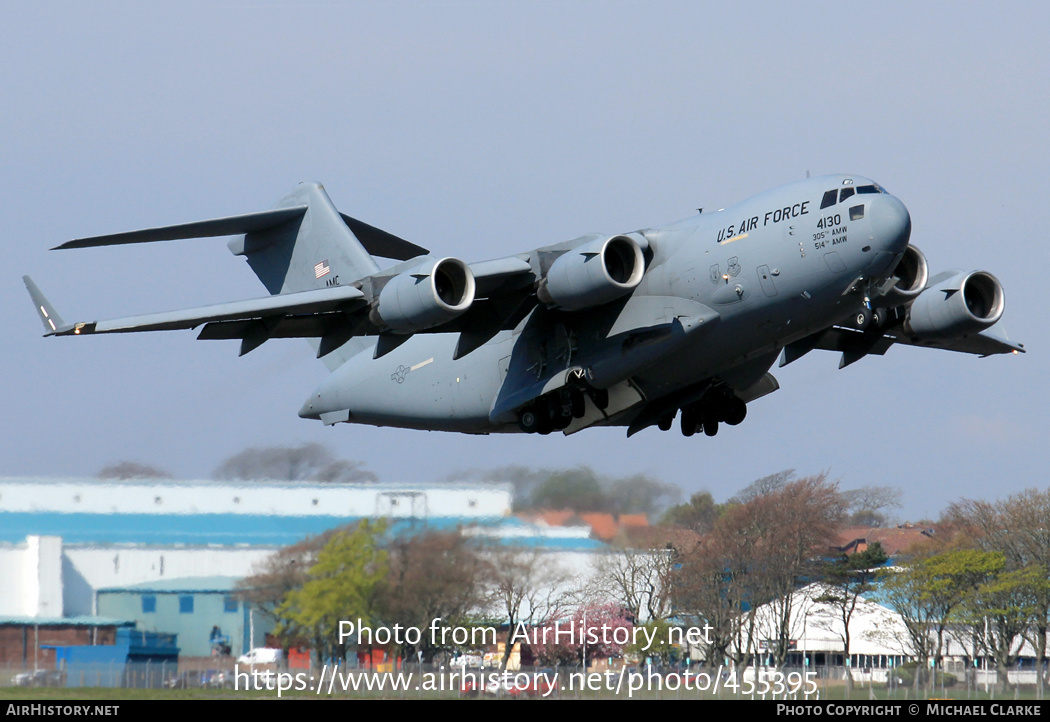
{"points": [[321, 269]]}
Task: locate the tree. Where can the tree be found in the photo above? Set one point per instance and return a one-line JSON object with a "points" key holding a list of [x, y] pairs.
{"points": [[1017, 527], [580, 489], [797, 524], [591, 632], [577, 489], [714, 584], [866, 505], [1001, 610], [343, 584], [929, 593], [280, 573], [640, 494], [637, 579], [698, 514], [847, 577], [306, 462], [524, 588], [762, 487], [131, 470], [434, 575], [759, 552], [660, 649]]}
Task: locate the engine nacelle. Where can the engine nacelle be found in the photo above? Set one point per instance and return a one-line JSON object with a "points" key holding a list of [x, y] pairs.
{"points": [[963, 304], [432, 293], [593, 274], [911, 275]]}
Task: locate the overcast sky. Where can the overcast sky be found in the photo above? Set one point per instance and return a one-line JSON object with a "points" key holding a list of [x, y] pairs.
{"points": [[482, 129]]}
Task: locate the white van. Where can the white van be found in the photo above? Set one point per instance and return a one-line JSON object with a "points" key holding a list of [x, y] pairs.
{"points": [[261, 655]]}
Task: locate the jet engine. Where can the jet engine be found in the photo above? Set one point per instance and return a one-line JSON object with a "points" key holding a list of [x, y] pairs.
{"points": [[432, 293], [958, 306], [911, 275], [593, 274]]}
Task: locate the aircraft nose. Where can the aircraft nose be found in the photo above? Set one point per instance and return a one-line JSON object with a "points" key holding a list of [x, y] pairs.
{"points": [[309, 409], [891, 223]]}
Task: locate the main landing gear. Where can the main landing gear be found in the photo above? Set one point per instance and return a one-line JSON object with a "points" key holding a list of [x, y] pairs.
{"points": [[556, 410], [720, 406]]}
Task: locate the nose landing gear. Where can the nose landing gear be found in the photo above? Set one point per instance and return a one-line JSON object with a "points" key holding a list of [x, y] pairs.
{"points": [[556, 410]]}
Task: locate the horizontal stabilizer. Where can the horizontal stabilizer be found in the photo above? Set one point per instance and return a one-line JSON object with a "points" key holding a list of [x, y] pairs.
{"points": [[305, 302], [229, 226], [380, 243]]}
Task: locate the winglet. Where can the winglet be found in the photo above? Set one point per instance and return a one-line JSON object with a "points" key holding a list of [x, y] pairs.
{"points": [[53, 323]]}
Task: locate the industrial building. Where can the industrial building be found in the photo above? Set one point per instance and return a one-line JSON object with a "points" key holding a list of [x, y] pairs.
{"points": [[164, 556]]}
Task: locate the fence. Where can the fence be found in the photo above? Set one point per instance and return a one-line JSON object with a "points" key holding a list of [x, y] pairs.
{"points": [[412, 680]]}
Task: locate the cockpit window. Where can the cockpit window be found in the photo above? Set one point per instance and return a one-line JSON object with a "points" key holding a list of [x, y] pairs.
{"points": [[829, 199], [845, 193], [868, 189], [856, 212]]}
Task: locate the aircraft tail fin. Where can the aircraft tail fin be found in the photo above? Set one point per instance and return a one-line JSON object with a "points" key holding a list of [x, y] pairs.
{"points": [[313, 249], [52, 321]]}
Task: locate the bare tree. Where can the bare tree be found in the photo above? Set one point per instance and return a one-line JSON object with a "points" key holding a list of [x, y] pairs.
{"points": [[434, 575], [131, 470], [283, 571], [762, 487], [525, 587], [636, 579], [846, 578], [579, 488], [758, 553], [867, 505], [306, 462]]}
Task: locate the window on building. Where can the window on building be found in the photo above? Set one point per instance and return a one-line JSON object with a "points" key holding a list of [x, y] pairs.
{"points": [[185, 604], [149, 604], [229, 604]]}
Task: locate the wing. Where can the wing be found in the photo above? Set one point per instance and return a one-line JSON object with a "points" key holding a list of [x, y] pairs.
{"points": [[954, 311], [306, 252], [855, 344], [333, 314], [306, 313], [317, 263]]}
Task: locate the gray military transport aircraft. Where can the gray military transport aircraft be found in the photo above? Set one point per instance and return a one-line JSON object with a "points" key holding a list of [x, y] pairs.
{"points": [[628, 330]]}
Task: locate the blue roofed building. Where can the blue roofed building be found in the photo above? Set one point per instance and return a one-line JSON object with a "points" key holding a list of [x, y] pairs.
{"points": [[166, 554]]}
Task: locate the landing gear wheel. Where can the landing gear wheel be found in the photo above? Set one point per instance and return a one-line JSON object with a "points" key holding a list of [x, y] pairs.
{"points": [[736, 412], [688, 422], [710, 427], [578, 402], [665, 422], [529, 420], [600, 397], [863, 319]]}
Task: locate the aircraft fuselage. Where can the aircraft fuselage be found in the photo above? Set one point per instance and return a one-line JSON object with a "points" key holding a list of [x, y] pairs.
{"points": [[773, 269]]}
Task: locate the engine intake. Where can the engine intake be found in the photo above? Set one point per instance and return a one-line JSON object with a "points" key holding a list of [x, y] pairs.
{"points": [[961, 305], [912, 273], [433, 293], [593, 274]]}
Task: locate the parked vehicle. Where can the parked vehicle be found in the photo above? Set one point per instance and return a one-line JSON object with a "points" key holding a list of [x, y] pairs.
{"points": [[261, 655]]}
